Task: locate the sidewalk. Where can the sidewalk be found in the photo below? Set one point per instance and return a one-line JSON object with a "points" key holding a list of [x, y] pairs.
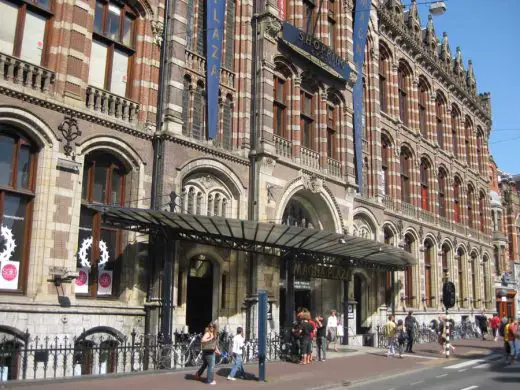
{"points": [[351, 364]]}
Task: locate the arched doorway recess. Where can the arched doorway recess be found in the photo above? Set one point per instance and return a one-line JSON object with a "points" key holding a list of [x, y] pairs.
{"points": [[199, 295]]}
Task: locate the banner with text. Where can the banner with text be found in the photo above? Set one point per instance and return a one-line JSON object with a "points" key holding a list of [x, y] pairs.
{"points": [[361, 19], [214, 38]]}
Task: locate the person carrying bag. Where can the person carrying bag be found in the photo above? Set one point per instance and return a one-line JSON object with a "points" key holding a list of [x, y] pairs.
{"points": [[209, 346]]}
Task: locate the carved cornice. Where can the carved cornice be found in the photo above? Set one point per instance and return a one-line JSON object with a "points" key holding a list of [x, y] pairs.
{"points": [[411, 44]]}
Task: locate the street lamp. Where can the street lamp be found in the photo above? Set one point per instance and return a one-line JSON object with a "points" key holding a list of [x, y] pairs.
{"points": [[438, 8]]}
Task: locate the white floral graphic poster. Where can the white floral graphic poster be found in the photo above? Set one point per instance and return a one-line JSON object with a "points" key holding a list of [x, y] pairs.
{"points": [[9, 274], [81, 282], [105, 280]]}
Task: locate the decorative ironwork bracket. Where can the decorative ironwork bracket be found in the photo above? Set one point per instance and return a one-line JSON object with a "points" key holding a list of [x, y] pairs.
{"points": [[70, 131]]}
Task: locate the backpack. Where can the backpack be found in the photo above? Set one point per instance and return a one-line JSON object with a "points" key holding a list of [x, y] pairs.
{"points": [[501, 329]]}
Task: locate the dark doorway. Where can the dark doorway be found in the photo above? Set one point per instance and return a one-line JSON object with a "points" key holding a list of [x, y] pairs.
{"points": [[358, 282], [302, 298], [199, 295]]}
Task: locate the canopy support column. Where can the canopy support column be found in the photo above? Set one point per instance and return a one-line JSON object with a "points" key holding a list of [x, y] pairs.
{"points": [[289, 292], [167, 289], [345, 312]]}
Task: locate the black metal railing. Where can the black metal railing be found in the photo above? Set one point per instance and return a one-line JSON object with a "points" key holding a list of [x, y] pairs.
{"points": [[26, 358]]}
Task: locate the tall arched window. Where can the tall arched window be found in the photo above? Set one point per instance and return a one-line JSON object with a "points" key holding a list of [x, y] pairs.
{"points": [[104, 181], [307, 119], [405, 166], [455, 118], [428, 278], [440, 109], [482, 211], [186, 104], [442, 192], [389, 238], [480, 151], [470, 206], [468, 133], [444, 262], [457, 217], [201, 28], [112, 47], [461, 256], [402, 85], [227, 123], [18, 155], [229, 49], [386, 153], [280, 107], [197, 125], [474, 280], [409, 243], [423, 108], [332, 130], [331, 23], [425, 184], [485, 279], [384, 71], [496, 258]]}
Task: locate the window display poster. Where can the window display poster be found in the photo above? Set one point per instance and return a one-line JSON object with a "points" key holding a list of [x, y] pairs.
{"points": [[105, 281], [81, 282], [9, 273]]}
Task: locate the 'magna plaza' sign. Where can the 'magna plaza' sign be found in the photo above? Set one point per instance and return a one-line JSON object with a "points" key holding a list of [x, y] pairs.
{"points": [[308, 43], [310, 270]]}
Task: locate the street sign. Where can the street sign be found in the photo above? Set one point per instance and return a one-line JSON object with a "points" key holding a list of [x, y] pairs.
{"points": [[448, 295]]}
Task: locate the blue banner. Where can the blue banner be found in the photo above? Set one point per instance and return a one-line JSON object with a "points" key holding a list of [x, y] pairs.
{"points": [[361, 19], [214, 38]]}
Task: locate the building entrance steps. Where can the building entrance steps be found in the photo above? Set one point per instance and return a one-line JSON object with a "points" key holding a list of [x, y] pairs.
{"points": [[350, 364]]}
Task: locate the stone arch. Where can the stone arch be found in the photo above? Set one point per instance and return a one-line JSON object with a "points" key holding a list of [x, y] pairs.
{"points": [[128, 155], [365, 215], [392, 228], [16, 333], [430, 237], [143, 7], [282, 63], [442, 166], [385, 133], [35, 127], [409, 149], [448, 243], [319, 193], [461, 246], [101, 329], [385, 51], [441, 96], [405, 65], [424, 80]]}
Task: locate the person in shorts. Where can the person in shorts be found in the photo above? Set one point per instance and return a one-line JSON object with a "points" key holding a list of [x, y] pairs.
{"points": [[306, 340]]}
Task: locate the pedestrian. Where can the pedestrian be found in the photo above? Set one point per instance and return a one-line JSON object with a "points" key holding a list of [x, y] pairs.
{"points": [[507, 345], [495, 324], [481, 320], [511, 330], [401, 337], [389, 332], [517, 340], [313, 335], [306, 330], [238, 348], [209, 346], [411, 325], [332, 329], [321, 339]]}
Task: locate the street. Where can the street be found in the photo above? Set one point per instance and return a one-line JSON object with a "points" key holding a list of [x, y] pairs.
{"points": [[475, 363]]}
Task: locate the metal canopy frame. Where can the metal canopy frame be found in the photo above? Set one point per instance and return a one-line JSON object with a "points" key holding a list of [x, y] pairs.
{"points": [[318, 246]]}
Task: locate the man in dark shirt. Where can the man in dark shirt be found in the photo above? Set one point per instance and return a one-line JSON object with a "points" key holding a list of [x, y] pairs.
{"points": [[321, 337], [411, 326]]}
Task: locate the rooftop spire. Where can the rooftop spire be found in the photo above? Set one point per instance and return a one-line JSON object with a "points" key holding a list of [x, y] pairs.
{"points": [[471, 82], [445, 49]]}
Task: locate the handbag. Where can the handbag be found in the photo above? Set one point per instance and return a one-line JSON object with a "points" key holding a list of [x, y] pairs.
{"points": [[209, 346]]}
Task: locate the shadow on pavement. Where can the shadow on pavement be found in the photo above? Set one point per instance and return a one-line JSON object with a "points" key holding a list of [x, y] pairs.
{"points": [[224, 372]]}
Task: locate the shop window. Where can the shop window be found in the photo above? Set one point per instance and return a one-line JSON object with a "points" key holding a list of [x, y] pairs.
{"points": [[112, 47], [474, 280], [18, 157], [100, 246], [23, 31]]}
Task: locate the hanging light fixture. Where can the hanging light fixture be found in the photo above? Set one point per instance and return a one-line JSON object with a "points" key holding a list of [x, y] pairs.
{"points": [[438, 8]]}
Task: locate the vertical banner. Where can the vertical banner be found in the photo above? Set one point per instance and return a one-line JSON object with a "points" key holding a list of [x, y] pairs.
{"points": [[105, 280], [361, 18], [281, 8], [9, 273], [214, 38], [81, 282]]}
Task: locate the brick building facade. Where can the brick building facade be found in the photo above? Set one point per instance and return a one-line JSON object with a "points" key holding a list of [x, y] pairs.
{"points": [[284, 153]]}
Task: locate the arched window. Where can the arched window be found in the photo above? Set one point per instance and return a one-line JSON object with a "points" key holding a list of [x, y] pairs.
{"points": [[280, 90], [481, 211], [485, 279], [457, 217], [331, 22], [189, 24], [201, 28], [185, 104], [468, 134], [428, 278], [24, 29], [295, 214], [480, 151], [307, 119], [229, 50], [425, 184], [210, 205], [402, 79], [470, 206], [444, 262], [474, 280], [405, 166], [18, 156], [455, 118], [386, 153], [461, 256], [409, 243], [112, 47], [442, 192], [104, 181], [389, 238], [423, 108], [384, 70], [227, 124], [440, 109], [496, 258], [332, 130], [197, 126]]}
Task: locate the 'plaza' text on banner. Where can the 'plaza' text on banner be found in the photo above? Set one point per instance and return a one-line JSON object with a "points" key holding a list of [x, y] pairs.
{"points": [[361, 19], [214, 37]]}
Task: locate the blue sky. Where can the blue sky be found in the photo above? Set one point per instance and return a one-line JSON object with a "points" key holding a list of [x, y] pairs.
{"points": [[488, 33]]}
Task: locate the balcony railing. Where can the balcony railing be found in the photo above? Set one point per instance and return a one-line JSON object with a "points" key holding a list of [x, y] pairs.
{"points": [[409, 210], [23, 73], [427, 216], [283, 146], [197, 63], [112, 105], [334, 167], [445, 222], [310, 158]]}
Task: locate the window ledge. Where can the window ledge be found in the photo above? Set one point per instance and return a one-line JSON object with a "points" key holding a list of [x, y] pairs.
{"points": [[112, 105], [27, 76]]}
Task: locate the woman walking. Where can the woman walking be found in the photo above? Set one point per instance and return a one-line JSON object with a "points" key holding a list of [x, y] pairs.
{"points": [[332, 329], [209, 346]]}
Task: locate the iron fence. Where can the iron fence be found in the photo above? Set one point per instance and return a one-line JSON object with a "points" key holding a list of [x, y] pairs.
{"points": [[26, 358]]}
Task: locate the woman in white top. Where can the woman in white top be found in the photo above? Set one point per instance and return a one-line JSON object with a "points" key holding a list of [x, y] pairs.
{"points": [[332, 329]]}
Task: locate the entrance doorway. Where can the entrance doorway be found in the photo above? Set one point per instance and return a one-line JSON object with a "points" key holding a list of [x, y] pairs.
{"points": [[199, 295], [358, 284]]}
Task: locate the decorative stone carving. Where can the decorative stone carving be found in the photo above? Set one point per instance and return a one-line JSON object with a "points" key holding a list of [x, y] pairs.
{"points": [[157, 31], [207, 181], [352, 77], [272, 27], [312, 183], [70, 131]]}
